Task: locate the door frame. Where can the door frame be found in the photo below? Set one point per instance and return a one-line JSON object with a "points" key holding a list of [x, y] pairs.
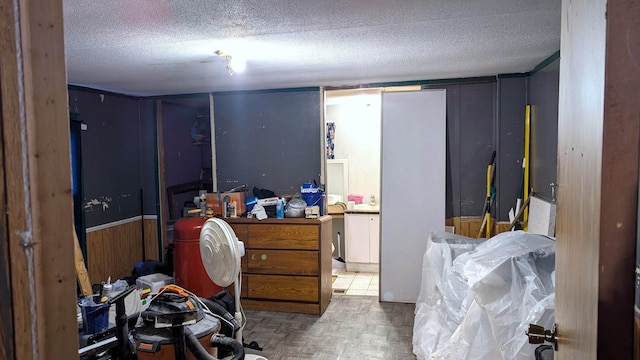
{"points": [[37, 177]]}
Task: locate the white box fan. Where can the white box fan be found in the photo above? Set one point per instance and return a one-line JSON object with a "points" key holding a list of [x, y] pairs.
{"points": [[221, 253]]}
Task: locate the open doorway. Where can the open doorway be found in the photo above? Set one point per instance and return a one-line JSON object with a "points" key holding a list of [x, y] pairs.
{"points": [[185, 167], [352, 125]]}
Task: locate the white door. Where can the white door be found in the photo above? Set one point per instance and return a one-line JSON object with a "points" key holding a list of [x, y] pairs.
{"points": [[413, 187]]}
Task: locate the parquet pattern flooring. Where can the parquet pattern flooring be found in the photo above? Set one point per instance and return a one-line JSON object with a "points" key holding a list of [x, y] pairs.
{"points": [[352, 327]]}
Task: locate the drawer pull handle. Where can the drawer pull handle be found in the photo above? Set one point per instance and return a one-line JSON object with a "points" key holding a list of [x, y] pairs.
{"points": [[263, 257], [253, 257]]}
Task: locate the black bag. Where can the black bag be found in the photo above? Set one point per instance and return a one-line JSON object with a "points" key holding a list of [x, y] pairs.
{"points": [[544, 352], [263, 193], [225, 299]]}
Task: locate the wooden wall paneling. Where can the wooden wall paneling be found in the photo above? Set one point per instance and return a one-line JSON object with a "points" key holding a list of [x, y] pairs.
{"points": [[456, 224], [127, 248], [474, 228], [98, 264], [151, 239], [43, 282], [469, 226], [114, 251], [500, 227]]}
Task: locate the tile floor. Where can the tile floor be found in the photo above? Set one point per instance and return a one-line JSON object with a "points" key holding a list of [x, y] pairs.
{"points": [[351, 283]]}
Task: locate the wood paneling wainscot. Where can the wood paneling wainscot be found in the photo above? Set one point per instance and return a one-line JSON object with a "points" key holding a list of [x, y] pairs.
{"points": [[469, 226], [114, 249]]}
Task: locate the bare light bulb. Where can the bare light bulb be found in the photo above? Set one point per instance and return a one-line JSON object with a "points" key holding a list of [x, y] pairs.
{"points": [[237, 65]]}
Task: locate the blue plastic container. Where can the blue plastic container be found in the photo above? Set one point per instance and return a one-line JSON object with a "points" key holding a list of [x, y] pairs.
{"points": [[95, 316], [309, 188], [314, 199]]}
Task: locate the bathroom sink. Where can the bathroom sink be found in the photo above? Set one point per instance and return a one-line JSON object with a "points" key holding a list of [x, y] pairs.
{"points": [[367, 208]]}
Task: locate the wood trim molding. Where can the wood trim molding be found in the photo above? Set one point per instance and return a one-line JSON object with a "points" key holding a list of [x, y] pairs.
{"points": [[120, 222], [35, 131], [469, 226], [162, 193]]}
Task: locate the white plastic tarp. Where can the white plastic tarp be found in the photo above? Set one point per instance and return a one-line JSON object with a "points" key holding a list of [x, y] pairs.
{"points": [[478, 297]]}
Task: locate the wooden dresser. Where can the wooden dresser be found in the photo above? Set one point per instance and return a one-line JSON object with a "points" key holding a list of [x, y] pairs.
{"points": [[287, 265]]}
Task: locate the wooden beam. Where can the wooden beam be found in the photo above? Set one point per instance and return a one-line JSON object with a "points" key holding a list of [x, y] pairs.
{"points": [[81, 269], [162, 194], [6, 313], [38, 179]]}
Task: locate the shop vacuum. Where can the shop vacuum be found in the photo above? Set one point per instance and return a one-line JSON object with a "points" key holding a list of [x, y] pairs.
{"points": [[181, 325], [176, 327]]}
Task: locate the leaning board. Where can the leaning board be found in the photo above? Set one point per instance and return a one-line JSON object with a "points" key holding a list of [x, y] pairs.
{"points": [[542, 217], [413, 187]]}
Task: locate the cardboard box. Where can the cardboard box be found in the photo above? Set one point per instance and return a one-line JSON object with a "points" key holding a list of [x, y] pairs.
{"points": [[215, 202], [312, 212], [153, 282], [214, 205]]}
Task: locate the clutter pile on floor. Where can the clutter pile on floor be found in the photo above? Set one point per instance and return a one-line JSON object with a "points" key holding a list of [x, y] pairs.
{"points": [[478, 297]]}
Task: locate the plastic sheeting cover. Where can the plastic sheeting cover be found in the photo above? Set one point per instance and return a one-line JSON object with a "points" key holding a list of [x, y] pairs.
{"points": [[478, 297]]}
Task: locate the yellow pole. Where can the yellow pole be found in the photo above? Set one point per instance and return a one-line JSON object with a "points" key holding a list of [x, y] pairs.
{"points": [[527, 162], [488, 214]]}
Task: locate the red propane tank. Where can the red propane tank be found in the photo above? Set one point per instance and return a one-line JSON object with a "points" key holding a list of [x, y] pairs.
{"points": [[189, 272]]}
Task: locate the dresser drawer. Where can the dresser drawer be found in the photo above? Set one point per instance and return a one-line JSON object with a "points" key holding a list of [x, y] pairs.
{"points": [[296, 237], [282, 262], [241, 231], [280, 287]]}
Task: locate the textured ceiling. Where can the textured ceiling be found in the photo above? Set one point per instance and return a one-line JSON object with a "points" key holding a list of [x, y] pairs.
{"points": [[159, 47]]}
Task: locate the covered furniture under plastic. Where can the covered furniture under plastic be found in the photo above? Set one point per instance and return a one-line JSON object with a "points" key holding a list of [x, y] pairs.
{"points": [[477, 297]]}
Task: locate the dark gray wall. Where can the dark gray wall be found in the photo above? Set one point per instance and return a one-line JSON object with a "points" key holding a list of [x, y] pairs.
{"points": [[113, 161], [543, 97], [269, 140], [470, 141], [148, 146], [477, 112], [512, 95], [182, 157]]}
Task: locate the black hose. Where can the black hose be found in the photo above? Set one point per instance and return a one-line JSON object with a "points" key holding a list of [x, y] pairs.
{"points": [[195, 347], [218, 309], [200, 353], [230, 344]]}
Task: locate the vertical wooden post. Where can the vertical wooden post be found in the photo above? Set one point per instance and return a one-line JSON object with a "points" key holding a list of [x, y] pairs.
{"points": [[6, 313], [35, 130], [162, 189]]}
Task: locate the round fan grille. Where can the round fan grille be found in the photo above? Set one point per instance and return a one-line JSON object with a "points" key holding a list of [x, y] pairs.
{"points": [[219, 251]]}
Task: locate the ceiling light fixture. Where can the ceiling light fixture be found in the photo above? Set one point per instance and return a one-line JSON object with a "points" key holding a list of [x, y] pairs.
{"points": [[233, 65]]}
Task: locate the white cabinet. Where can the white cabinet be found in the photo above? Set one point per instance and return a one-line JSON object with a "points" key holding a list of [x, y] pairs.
{"points": [[362, 242]]}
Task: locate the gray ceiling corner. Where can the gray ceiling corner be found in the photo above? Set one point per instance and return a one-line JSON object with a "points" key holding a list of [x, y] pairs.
{"points": [[160, 47]]}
